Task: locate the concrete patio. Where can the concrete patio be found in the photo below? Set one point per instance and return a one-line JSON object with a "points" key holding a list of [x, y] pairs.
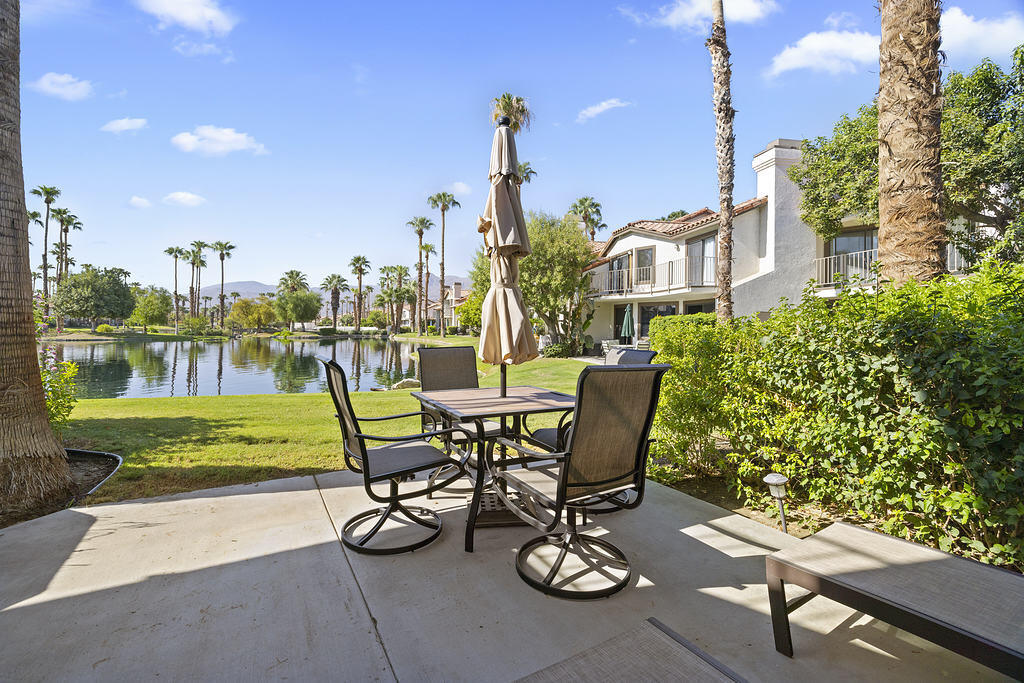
{"points": [[251, 582]]}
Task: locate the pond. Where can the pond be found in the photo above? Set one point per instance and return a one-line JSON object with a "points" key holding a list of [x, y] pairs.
{"points": [[236, 366]]}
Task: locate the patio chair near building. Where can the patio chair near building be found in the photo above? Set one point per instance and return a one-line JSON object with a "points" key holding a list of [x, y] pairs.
{"points": [[398, 461], [553, 438], [605, 456]]}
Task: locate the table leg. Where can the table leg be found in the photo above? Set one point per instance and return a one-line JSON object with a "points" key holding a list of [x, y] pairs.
{"points": [[478, 486]]}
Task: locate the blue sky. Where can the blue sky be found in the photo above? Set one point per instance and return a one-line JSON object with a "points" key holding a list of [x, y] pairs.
{"points": [[308, 132]]}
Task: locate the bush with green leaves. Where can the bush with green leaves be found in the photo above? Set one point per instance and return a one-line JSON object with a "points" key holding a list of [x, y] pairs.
{"points": [[904, 407], [558, 350], [327, 331], [195, 326], [104, 328]]}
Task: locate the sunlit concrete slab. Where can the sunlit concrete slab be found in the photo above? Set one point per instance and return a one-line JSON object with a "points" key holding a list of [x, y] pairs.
{"points": [[251, 582], [444, 614], [237, 583]]}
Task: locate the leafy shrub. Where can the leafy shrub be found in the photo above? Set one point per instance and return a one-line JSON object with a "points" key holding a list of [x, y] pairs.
{"points": [[195, 326], [346, 320], [558, 350], [404, 329], [375, 319], [58, 386], [104, 329], [905, 406], [454, 329], [327, 330]]}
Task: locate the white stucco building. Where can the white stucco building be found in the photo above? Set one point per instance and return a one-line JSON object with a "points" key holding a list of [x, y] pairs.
{"points": [[669, 267]]}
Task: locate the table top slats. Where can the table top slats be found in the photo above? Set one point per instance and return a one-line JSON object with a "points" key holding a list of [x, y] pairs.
{"points": [[486, 402]]}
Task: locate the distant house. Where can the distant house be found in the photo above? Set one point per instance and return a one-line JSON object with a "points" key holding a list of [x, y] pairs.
{"points": [[670, 267], [455, 296]]}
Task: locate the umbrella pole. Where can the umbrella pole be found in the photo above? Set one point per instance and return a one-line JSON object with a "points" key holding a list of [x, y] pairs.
{"points": [[504, 387]]}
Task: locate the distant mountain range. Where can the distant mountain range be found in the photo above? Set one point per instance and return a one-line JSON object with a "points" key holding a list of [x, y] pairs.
{"points": [[250, 289]]}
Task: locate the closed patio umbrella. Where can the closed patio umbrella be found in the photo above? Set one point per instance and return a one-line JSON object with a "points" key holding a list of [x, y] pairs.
{"points": [[506, 335], [627, 322]]}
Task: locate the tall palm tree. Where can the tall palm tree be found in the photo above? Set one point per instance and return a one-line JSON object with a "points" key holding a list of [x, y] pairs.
{"points": [[48, 194], [223, 250], [401, 275], [420, 224], [526, 172], [198, 262], [35, 218], [427, 249], [33, 464], [443, 201], [293, 281], [175, 253], [69, 223], [335, 284], [514, 107], [721, 75], [60, 216], [589, 211], [360, 266], [911, 227], [235, 296]]}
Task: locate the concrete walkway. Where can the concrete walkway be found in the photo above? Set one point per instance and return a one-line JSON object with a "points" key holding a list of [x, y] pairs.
{"points": [[251, 582]]}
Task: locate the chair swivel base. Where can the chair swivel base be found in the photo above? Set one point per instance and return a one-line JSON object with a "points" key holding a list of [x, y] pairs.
{"points": [[360, 542], [599, 557]]}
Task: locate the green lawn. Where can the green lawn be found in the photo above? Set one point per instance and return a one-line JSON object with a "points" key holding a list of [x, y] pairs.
{"points": [[182, 444]]}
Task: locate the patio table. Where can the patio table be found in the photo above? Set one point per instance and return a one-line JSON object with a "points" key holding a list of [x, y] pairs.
{"points": [[476, 405]]}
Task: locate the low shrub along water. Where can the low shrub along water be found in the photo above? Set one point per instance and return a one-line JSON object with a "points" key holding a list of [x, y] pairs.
{"points": [[904, 406]]}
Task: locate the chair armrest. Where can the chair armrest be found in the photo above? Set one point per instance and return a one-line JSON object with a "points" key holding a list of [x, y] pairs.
{"points": [[414, 437], [433, 421], [566, 414], [530, 454]]}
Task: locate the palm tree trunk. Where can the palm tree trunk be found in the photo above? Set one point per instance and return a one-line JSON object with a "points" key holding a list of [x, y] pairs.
{"points": [[33, 464], [911, 227], [426, 291], [721, 73], [442, 325], [176, 316], [222, 290], [46, 269], [418, 318]]}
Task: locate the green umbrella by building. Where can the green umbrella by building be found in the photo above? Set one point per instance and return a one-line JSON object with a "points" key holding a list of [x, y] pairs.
{"points": [[627, 323]]}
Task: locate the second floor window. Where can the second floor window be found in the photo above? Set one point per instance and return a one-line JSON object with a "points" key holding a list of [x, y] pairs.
{"points": [[853, 242], [701, 255], [644, 265]]}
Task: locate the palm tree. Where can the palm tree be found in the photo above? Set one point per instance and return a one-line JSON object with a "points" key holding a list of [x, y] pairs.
{"points": [[293, 281], [401, 275], [33, 464], [443, 201], [206, 307], [70, 223], [589, 211], [235, 296], [526, 172], [198, 262], [721, 75], [514, 107], [335, 284], [223, 250], [911, 228], [176, 253], [35, 217], [420, 224], [360, 266], [48, 193], [59, 215], [427, 249]]}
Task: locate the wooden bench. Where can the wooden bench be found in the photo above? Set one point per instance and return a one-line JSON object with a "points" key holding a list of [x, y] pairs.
{"points": [[971, 608]]}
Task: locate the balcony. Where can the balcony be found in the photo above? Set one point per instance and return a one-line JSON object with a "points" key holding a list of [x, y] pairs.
{"points": [[681, 274], [833, 271]]}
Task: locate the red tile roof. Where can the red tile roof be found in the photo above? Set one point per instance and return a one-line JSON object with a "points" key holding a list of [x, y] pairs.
{"points": [[688, 223]]}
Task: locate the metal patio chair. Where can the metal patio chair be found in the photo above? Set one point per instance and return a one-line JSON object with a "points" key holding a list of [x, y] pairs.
{"points": [[605, 456], [452, 367], [553, 438], [397, 461]]}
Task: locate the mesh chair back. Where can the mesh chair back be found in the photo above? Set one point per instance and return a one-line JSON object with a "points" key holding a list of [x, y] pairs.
{"points": [[629, 357], [337, 385], [450, 367], [608, 444]]}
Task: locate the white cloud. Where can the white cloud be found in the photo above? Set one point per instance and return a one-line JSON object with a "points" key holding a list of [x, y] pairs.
{"points": [[204, 16], [964, 35], [360, 72], [207, 49], [64, 86], [459, 188], [840, 20], [214, 141], [122, 125], [833, 52], [184, 199], [695, 15], [140, 202], [595, 109]]}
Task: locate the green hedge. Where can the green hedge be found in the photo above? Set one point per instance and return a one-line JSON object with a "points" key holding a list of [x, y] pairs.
{"points": [[905, 407]]}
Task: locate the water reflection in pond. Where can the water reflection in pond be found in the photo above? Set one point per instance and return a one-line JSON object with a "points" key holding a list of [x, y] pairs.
{"points": [[237, 366]]}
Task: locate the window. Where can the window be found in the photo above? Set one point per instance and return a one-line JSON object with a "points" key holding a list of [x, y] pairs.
{"points": [[701, 255], [851, 254], [853, 242], [618, 273], [700, 307], [652, 311], [644, 265]]}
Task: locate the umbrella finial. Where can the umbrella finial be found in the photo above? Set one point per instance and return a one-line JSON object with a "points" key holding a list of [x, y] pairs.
{"points": [[504, 121]]}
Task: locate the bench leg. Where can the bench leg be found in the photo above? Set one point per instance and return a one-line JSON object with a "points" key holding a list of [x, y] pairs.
{"points": [[780, 614]]}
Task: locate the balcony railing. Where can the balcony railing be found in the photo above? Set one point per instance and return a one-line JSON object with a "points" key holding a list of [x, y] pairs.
{"points": [[661, 277], [858, 267]]}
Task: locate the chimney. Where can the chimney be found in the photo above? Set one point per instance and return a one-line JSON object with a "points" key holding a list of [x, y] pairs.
{"points": [[456, 290], [771, 164]]}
